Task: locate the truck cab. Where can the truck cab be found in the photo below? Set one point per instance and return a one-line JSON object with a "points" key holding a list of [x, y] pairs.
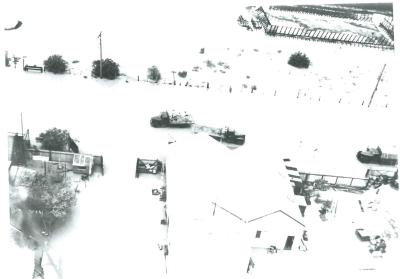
{"points": [[375, 156], [161, 120]]}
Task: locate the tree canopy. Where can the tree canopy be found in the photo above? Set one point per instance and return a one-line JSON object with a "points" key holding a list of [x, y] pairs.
{"points": [[54, 139]]}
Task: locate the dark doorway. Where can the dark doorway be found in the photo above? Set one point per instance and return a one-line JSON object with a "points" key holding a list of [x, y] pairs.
{"points": [[289, 243]]}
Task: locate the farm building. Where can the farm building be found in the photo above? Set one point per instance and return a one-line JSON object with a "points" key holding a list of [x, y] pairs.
{"points": [[224, 204]]}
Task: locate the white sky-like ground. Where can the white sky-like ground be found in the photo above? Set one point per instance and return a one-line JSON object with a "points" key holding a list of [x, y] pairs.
{"points": [[97, 112]]}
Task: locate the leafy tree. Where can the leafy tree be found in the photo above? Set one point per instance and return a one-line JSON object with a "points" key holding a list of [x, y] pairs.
{"points": [[55, 64], [54, 139], [46, 208], [182, 74], [299, 60], [153, 74], [55, 200], [110, 69]]}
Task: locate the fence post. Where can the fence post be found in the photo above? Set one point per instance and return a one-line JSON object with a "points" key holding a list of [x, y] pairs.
{"points": [[337, 36], [102, 166]]}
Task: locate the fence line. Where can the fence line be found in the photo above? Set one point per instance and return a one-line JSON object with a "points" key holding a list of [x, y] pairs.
{"points": [[60, 156], [327, 36], [321, 13]]}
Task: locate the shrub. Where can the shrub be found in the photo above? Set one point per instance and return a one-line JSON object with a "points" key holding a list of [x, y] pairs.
{"points": [[55, 64], [153, 74], [54, 139], [299, 60], [110, 69], [182, 74], [210, 64]]}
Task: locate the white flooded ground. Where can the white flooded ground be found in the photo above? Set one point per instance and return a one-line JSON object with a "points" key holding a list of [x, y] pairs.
{"points": [[117, 227]]}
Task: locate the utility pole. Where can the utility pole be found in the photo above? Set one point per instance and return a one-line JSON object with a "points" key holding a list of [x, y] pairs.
{"points": [[22, 126], [7, 60], [23, 62], [101, 56], [376, 87], [173, 73]]}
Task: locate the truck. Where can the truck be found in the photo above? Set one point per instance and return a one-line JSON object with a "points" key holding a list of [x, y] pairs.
{"points": [[171, 119], [225, 134], [376, 156], [229, 136]]}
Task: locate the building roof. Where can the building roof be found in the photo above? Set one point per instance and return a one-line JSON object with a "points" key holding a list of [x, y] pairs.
{"points": [[246, 182], [250, 184]]}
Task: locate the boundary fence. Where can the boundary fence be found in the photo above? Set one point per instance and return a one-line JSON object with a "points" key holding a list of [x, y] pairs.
{"points": [[260, 19], [325, 11], [388, 27], [64, 157], [336, 179], [327, 36]]}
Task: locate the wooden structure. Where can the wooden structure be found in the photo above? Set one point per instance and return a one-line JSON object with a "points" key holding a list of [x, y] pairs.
{"points": [[66, 157], [260, 18], [82, 164], [17, 145], [336, 182], [33, 68], [148, 166]]}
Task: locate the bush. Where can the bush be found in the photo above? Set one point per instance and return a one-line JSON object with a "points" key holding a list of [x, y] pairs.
{"points": [[110, 69], [182, 74], [299, 60], [54, 139], [55, 64], [153, 74], [210, 64]]}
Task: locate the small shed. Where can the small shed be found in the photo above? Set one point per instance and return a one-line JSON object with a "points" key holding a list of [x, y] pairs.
{"points": [[82, 164]]}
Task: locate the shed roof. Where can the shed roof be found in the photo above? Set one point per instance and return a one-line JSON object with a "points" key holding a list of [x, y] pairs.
{"points": [[245, 181]]}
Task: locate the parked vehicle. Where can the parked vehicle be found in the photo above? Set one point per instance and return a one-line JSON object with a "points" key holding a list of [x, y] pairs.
{"points": [[376, 156], [166, 119], [229, 136], [226, 134]]}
